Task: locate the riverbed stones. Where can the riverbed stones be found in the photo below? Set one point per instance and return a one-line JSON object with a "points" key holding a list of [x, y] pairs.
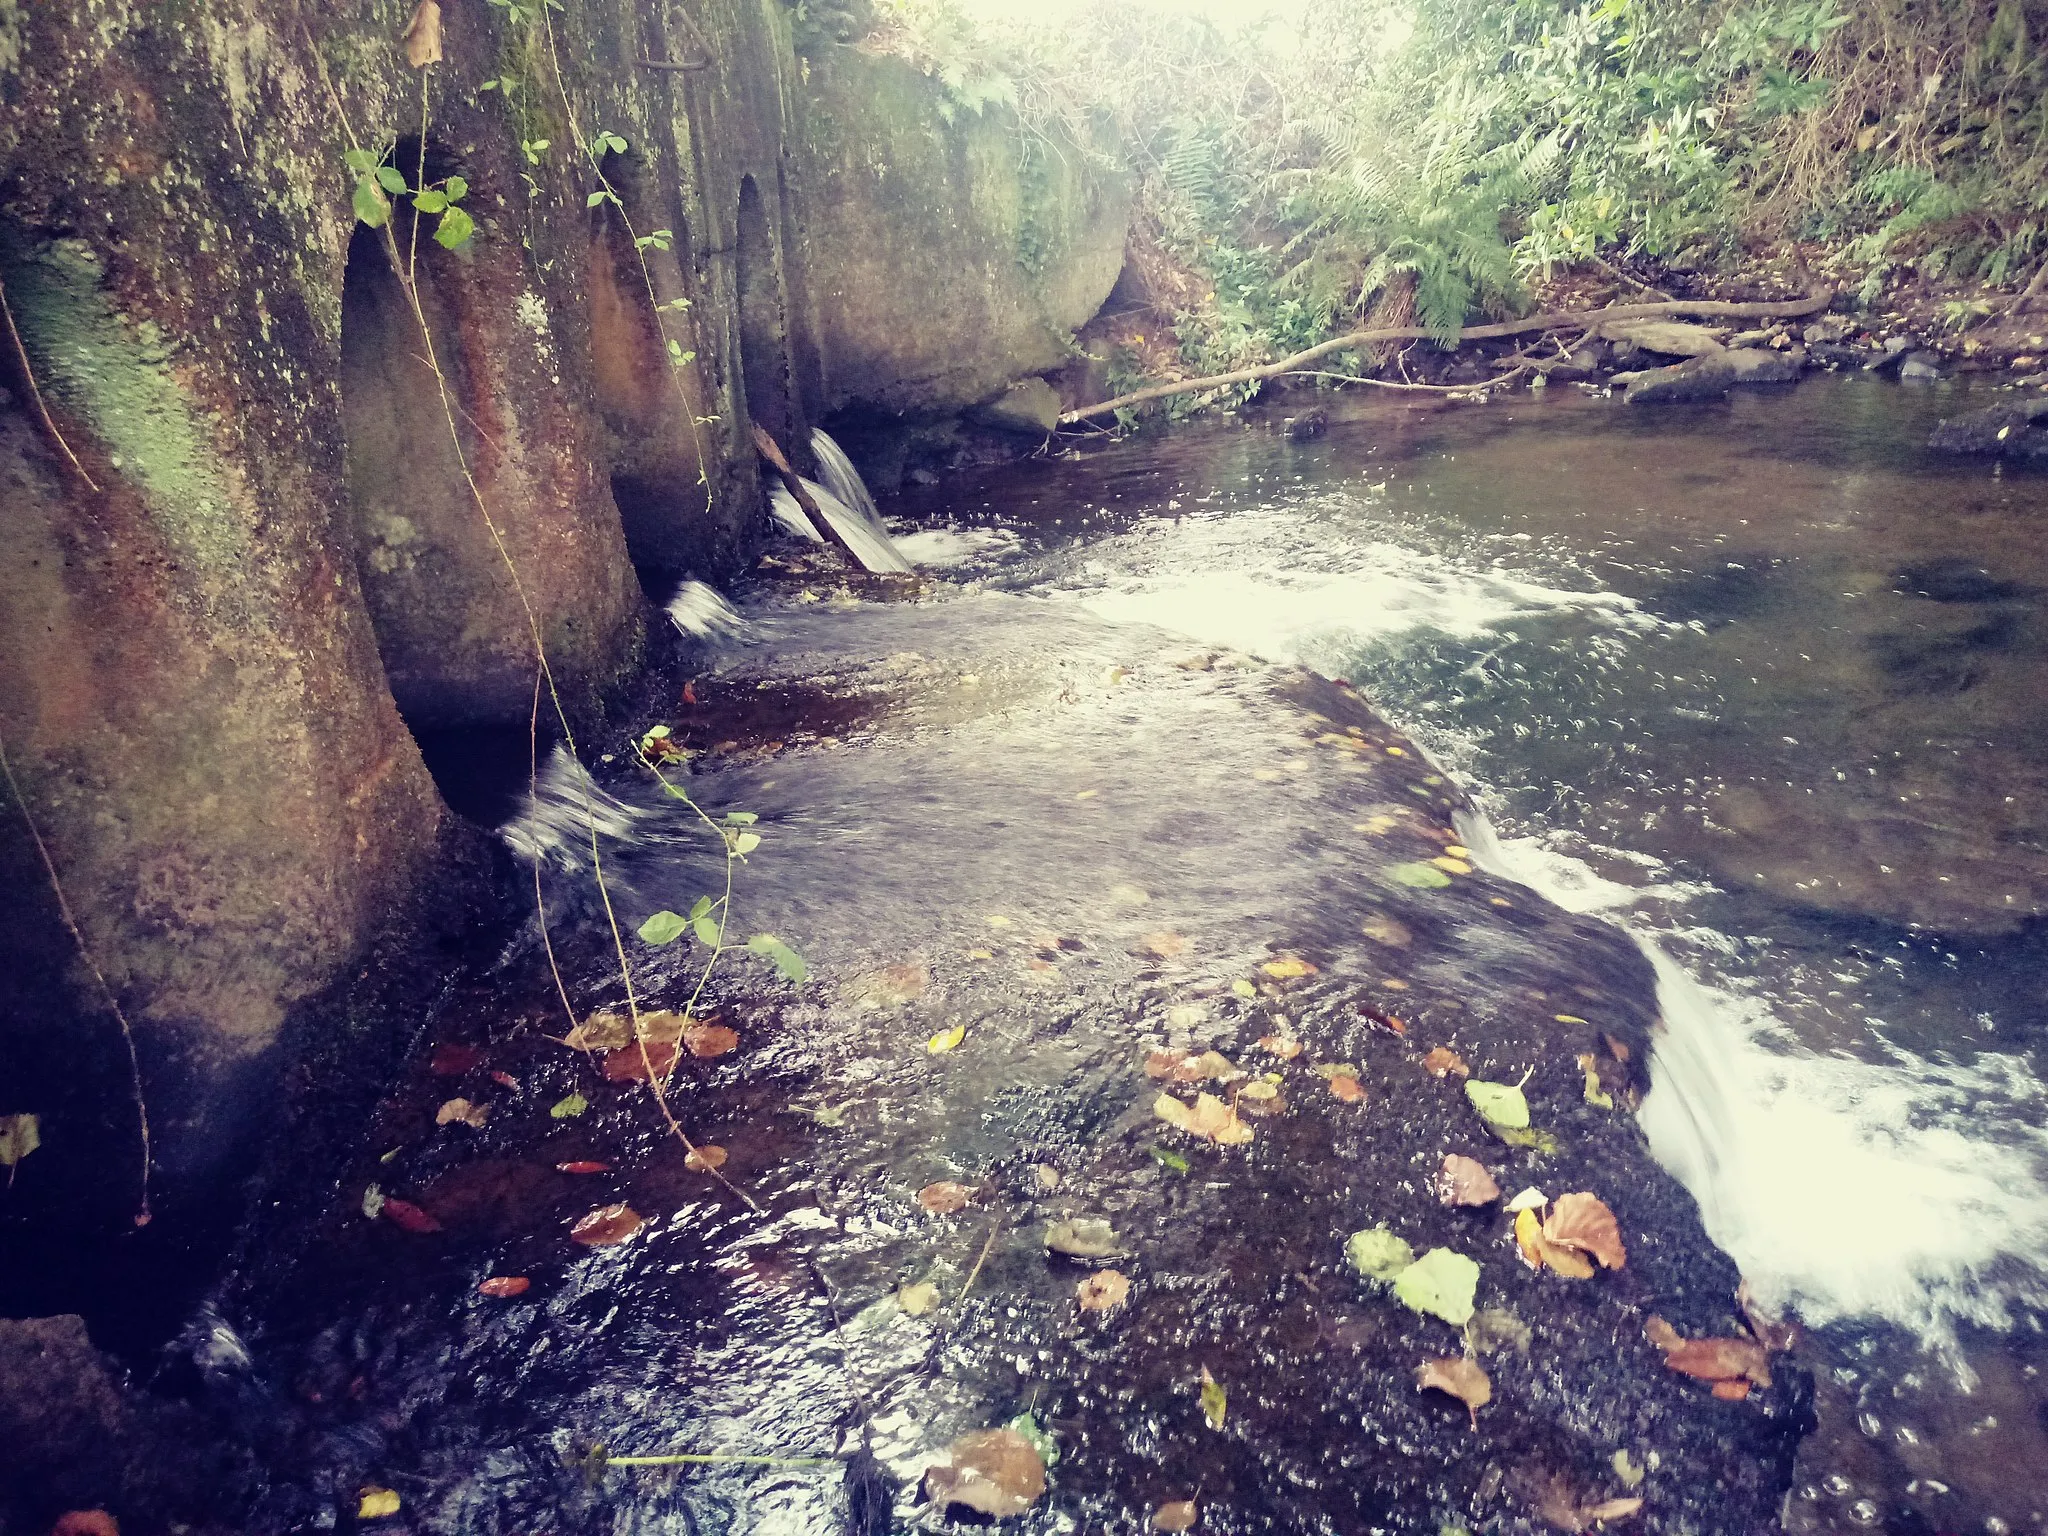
{"points": [[1712, 375]]}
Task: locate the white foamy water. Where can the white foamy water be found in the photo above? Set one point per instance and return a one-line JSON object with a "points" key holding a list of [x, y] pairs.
{"points": [[700, 610], [940, 548], [1904, 1190], [562, 811]]}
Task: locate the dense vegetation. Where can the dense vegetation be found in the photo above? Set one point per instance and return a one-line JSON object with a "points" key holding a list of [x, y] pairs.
{"points": [[1440, 157]]}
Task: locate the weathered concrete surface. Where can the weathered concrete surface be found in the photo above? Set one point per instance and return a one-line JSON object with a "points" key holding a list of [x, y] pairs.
{"points": [[949, 256]]}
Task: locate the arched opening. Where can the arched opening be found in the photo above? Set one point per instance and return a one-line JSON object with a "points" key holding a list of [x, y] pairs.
{"points": [[764, 326]]}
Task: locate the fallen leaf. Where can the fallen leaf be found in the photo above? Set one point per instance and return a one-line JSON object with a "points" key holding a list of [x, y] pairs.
{"points": [[1164, 945], [585, 1165], [1213, 1120], [918, 1299], [86, 1522], [1463, 1379], [945, 1197], [1616, 1046], [1169, 1159], [1529, 1234], [502, 1286], [600, 1032], [505, 1080], [994, 1472], [1084, 1237], [1465, 1181], [1209, 1064], [422, 47], [373, 1201], [663, 1026], [19, 1136], [1215, 1401], [1187, 1016], [1442, 1283], [1287, 967], [569, 1108], [640, 1063], [1584, 1222], [1628, 1469], [1286, 1047], [1421, 877], [1102, 1291], [606, 1226], [1035, 1436], [1346, 1087], [704, 1159], [453, 1060], [1451, 866], [1329, 1069], [1442, 1061], [374, 1503], [1730, 1391], [1496, 1328], [1595, 1094], [1610, 1509], [1180, 1515], [1243, 988], [1389, 931], [408, 1217], [462, 1110], [1258, 1091], [1530, 1199], [1500, 1105], [891, 986], [1712, 1359], [944, 1041], [1377, 1253], [709, 1039]]}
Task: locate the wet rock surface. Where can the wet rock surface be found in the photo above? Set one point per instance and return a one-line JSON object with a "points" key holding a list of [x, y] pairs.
{"points": [[2018, 430], [1710, 375], [1080, 851]]}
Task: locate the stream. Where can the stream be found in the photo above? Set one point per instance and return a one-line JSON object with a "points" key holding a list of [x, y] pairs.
{"points": [[1762, 683], [1686, 761]]}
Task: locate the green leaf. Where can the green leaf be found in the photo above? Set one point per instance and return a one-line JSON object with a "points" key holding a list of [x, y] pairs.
{"points": [[675, 350], [1422, 877], [1500, 1105], [699, 907], [370, 205], [706, 930], [430, 201], [1442, 1283], [391, 179], [745, 842], [1170, 1160], [787, 961], [454, 229], [674, 304], [1244, 988], [741, 818], [1215, 1402], [1377, 1253], [595, 198], [19, 1136], [360, 162], [1542, 1143], [569, 1108], [664, 927], [456, 188], [488, 85], [1034, 1432]]}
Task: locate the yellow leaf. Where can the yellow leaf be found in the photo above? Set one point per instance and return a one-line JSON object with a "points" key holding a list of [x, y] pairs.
{"points": [[375, 1503], [946, 1039], [1214, 1401], [1287, 967], [918, 1299]]}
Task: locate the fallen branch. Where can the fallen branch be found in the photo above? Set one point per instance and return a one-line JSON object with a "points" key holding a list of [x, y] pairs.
{"points": [[793, 482], [1582, 319]]}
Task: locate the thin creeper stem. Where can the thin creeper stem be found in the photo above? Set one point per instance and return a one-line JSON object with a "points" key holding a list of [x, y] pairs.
{"points": [[35, 391]]}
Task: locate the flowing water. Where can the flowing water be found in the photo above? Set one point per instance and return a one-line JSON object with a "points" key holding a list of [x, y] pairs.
{"points": [[1766, 685]]}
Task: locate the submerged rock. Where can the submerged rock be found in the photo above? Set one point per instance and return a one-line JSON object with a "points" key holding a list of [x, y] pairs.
{"points": [[2018, 430]]}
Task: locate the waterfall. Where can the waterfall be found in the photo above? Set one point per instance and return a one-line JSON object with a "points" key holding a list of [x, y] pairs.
{"points": [[561, 811], [847, 507]]}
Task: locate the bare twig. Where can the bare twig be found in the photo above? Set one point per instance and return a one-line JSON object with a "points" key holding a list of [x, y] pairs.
{"points": [[1574, 319]]}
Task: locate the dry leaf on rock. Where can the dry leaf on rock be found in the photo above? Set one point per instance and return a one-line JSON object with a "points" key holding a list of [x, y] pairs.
{"points": [[423, 36], [945, 1197], [86, 1522], [502, 1286], [1558, 1505], [1465, 1181], [1530, 1199], [1389, 931], [1464, 1379], [1736, 1363], [1288, 967], [1164, 945], [1774, 1333], [1444, 1062], [374, 1503], [407, 1216], [583, 1165], [705, 1159], [1286, 1047], [462, 1110], [1084, 1237], [1584, 1222], [600, 1032], [1539, 1251], [946, 1040], [709, 1039], [891, 986], [1102, 1291], [1215, 1401], [1216, 1121], [918, 1299], [663, 1025], [993, 1472], [1346, 1087], [1180, 1515], [606, 1226]]}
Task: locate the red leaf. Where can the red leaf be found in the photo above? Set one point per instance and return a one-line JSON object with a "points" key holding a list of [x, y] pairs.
{"points": [[409, 1217], [690, 693], [506, 1285], [639, 1064], [505, 1080], [607, 1225], [453, 1060], [584, 1166]]}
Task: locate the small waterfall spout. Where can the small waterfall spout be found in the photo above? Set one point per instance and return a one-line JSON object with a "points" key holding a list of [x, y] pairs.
{"points": [[847, 506]]}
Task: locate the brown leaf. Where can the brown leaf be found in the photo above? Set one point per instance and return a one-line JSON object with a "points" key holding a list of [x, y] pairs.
{"points": [[1610, 1509], [637, 1063], [1465, 1181], [1584, 1222], [606, 1226], [992, 1471], [710, 1039], [600, 1032], [1443, 1062], [1286, 1047], [1464, 1379], [1102, 1291], [423, 36], [1346, 1087], [1216, 1121], [453, 1060], [407, 1216], [585, 1165], [1712, 1359], [945, 1197], [704, 1159], [462, 1110], [506, 1285], [1164, 945], [86, 1522], [1730, 1391], [1200, 1068], [1163, 1063], [1180, 1515], [891, 986]]}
